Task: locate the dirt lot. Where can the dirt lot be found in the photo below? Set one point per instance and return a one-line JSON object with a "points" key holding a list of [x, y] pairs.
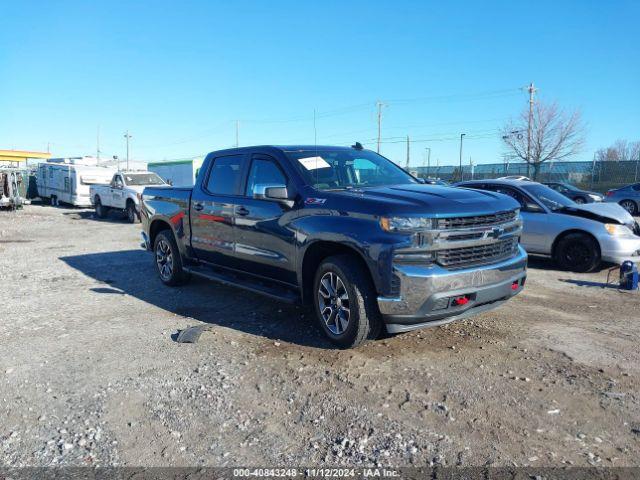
{"points": [[90, 372]]}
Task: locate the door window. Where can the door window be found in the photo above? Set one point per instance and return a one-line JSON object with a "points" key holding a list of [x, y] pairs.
{"points": [[224, 175], [264, 172], [117, 182], [515, 194]]}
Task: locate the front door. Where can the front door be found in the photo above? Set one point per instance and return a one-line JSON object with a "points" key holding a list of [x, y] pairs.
{"points": [[117, 192], [264, 244], [212, 211]]}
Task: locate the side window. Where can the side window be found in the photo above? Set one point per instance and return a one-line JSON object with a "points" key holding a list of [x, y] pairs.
{"points": [[224, 175], [118, 181], [636, 187], [264, 172], [515, 194]]}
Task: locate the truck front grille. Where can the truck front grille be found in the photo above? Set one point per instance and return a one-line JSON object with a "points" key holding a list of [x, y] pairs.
{"points": [[477, 221], [478, 255]]}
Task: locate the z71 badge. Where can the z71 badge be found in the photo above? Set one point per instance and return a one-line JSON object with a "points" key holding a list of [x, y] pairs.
{"points": [[315, 201]]}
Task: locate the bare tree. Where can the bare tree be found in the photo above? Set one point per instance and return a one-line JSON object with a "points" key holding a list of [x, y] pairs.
{"points": [[555, 135], [620, 150]]}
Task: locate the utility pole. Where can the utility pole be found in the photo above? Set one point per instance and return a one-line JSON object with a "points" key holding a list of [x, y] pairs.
{"points": [[428, 150], [127, 137], [98, 145], [379, 104], [532, 90], [408, 153], [237, 133], [461, 137]]}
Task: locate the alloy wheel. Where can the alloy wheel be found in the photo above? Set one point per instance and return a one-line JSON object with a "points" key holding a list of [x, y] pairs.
{"points": [[578, 254], [164, 259], [333, 303], [628, 205]]}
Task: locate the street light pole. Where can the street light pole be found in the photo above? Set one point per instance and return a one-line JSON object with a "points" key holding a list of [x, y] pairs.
{"points": [[428, 149], [127, 137], [461, 137]]}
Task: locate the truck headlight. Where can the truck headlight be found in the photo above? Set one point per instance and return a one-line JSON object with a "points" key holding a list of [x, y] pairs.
{"points": [[405, 224], [618, 230], [595, 198]]}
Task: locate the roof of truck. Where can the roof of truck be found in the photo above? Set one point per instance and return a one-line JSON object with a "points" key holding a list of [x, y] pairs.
{"points": [[285, 148]]}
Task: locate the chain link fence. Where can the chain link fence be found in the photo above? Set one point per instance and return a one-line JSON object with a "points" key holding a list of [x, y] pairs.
{"points": [[596, 176]]}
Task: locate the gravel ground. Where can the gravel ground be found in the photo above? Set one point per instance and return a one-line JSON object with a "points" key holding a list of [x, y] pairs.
{"points": [[91, 374]]}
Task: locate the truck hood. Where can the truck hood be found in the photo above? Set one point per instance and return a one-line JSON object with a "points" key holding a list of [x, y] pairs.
{"points": [[602, 212], [432, 200]]}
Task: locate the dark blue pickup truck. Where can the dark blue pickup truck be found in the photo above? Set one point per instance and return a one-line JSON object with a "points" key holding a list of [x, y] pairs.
{"points": [[342, 229]]}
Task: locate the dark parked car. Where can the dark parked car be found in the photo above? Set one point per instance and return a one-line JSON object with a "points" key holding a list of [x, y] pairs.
{"points": [[575, 193], [435, 181], [342, 229], [628, 197]]}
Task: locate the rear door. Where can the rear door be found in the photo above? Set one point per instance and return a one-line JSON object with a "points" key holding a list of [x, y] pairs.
{"points": [[212, 210], [264, 245]]}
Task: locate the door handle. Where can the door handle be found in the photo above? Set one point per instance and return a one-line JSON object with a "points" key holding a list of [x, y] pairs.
{"points": [[198, 206], [242, 211]]}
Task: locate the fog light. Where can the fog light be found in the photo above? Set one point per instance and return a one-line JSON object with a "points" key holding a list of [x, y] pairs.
{"points": [[515, 285]]}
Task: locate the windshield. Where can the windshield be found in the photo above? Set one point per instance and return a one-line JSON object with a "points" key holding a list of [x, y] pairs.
{"points": [[342, 169], [137, 179], [547, 196]]}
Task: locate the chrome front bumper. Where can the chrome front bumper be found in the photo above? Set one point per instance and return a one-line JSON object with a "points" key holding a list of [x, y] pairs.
{"points": [[425, 292]]}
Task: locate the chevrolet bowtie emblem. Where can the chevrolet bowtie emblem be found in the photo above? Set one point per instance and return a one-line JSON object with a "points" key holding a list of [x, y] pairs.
{"points": [[496, 232]]}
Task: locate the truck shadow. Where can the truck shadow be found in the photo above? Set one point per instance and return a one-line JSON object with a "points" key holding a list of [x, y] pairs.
{"points": [[132, 272], [90, 215]]}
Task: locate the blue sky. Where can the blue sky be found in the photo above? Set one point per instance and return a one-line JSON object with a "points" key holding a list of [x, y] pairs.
{"points": [[179, 74]]}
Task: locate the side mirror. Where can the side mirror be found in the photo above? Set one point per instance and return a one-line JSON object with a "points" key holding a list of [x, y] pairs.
{"points": [[532, 207], [277, 193]]}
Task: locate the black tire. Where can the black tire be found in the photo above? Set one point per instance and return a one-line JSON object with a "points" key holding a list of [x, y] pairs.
{"points": [[101, 210], [132, 214], [165, 246], [580, 200], [630, 206], [364, 321], [577, 252], [54, 201]]}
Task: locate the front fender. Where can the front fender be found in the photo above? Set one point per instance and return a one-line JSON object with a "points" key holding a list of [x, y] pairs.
{"points": [[361, 234]]}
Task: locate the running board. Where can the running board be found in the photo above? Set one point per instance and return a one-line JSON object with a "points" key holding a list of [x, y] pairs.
{"points": [[245, 282]]}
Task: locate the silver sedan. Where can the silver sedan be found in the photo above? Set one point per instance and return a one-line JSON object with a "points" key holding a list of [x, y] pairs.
{"points": [[628, 197], [577, 237]]}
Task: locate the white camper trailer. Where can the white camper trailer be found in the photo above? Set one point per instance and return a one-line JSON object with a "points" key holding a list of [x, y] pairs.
{"points": [[179, 173], [68, 180]]}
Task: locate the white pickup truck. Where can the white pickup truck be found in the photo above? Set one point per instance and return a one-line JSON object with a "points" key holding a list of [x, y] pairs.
{"points": [[122, 193]]}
